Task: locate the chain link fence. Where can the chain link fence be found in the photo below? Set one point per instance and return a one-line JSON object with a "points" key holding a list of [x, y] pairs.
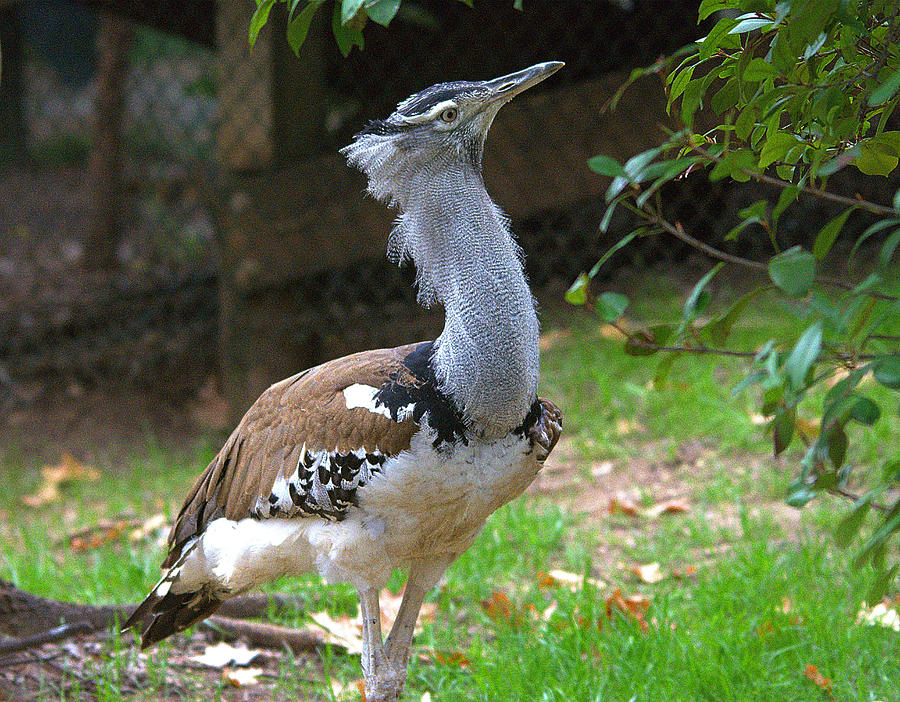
{"points": [[194, 109]]}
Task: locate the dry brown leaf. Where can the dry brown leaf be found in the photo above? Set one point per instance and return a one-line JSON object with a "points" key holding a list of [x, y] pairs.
{"points": [[354, 689], [634, 606], [224, 654], [689, 571], [786, 605], [67, 470], [344, 632], [608, 331], [623, 504], [100, 534], [500, 607], [808, 427], [648, 573], [151, 525], [242, 677], [673, 506], [813, 675], [573, 581], [453, 659]]}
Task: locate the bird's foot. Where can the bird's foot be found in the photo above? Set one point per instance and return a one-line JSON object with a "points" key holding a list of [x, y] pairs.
{"points": [[385, 685], [544, 433]]}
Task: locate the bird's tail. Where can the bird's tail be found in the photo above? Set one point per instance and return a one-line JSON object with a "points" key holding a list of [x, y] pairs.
{"points": [[165, 612]]}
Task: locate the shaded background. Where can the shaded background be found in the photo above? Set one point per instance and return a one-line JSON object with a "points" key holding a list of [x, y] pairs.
{"points": [[177, 229]]}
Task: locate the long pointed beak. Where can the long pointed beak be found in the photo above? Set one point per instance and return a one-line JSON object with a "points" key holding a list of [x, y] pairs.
{"points": [[507, 87]]}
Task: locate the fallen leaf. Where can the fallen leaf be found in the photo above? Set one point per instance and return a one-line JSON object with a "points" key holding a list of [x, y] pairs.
{"points": [[353, 689], [67, 470], [786, 605], [623, 504], [154, 524], [500, 607], [454, 659], [667, 507], [808, 427], [224, 654], [879, 615], [813, 675], [242, 677], [100, 534], [344, 632], [572, 581], [634, 606], [628, 426], [689, 571], [649, 573], [608, 331]]}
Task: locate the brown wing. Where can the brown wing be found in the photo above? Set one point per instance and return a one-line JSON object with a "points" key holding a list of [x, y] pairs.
{"points": [[308, 411]]}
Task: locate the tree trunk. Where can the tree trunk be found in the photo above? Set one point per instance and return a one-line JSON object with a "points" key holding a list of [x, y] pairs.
{"points": [[104, 230]]}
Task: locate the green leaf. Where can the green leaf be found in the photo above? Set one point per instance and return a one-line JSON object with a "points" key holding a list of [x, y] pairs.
{"points": [[865, 411], [615, 247], [640, 343], [693, 305], [346, 35], [837, 446], [720, 328], [783, 429], [886, 90], [799, 493], [887, 372], [803, 355], [826, 236], [749, 24], [663, 369], [875, 159], [890, 472], [874, 229], [680, 82], [604, 165], [382, 11], [759, 69], [349, 8], [707, 7], [849, 526], [298, 27], [259, 19], [793, 271], [881, 584], [577, 292], [776, 147], [888, 248], [787, 197], [610, 306]]}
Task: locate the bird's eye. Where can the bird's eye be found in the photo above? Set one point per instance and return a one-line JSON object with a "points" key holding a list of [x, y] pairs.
{"points": [[450, 114]]}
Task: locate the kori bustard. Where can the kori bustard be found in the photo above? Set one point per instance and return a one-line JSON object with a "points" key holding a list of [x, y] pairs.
{"points": [[391, 458]]}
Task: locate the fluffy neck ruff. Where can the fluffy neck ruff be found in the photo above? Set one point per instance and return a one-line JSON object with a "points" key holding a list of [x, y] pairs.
{"points": [[486, 358]]}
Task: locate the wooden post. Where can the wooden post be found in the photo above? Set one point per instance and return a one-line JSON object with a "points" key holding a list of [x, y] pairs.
{"points": [[113, 43], [13, 135]]}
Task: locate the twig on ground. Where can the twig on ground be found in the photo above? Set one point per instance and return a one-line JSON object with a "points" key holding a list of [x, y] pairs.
{"points": [[64, 631], [266, 635]]}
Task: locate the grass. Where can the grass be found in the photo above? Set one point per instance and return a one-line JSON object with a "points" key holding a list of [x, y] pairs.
{"points": [[770, 596]]}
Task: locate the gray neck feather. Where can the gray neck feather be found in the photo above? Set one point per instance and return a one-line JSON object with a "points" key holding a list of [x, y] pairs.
{"points": [[468, 261]]}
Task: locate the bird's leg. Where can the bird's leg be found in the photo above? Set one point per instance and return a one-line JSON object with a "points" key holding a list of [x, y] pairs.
{"points": [[422, 577], [401, 636], [383, 683]]}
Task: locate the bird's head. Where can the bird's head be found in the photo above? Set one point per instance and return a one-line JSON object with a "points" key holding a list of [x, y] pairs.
{"points": [[441, 127]]}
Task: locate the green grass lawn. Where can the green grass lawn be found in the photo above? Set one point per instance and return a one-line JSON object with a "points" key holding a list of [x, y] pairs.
{"points": [[769, 594]]}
